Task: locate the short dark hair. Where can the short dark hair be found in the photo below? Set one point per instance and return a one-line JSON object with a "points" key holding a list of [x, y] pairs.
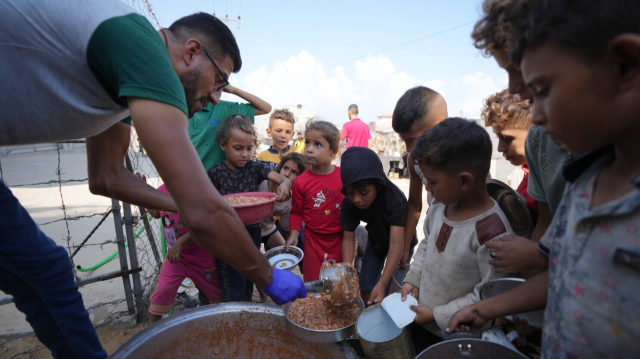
{"points": [[455, 145], [358, 185], [282, 114], [353, 109], [232, 122], [585, 27], [413, 106], [328, 130], [212, 33]]}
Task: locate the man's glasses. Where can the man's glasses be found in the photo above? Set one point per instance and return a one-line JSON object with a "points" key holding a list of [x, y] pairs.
{"points": [[226, 80]]}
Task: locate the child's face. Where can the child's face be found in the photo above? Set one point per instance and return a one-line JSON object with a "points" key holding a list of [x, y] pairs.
{"points": [[511, 144], [415, 131], [516, 82], [317, 150], [444, 187], [281, 132], [577, 101], [291, 170], [238, 148], [362, 197]]}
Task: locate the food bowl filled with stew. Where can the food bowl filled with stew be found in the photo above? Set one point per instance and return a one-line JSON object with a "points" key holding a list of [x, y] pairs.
{"points": [[282, 258], [308, 319], [252, 207]]}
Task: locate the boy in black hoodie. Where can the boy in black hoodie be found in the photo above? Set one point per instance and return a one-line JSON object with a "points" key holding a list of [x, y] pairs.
{"points": [[372, 198]]}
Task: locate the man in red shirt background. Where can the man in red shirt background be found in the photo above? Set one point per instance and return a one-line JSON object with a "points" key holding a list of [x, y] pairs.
{"points": [[355, 132]]}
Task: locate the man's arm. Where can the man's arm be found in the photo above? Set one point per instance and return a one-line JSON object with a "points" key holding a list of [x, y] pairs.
{"points": [[211, 221], [108, 177], [262, 106]]}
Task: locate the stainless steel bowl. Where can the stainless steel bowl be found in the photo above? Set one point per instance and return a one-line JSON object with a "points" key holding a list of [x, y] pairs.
{"points": [[280, 258], [319, 336], [227, 330]]}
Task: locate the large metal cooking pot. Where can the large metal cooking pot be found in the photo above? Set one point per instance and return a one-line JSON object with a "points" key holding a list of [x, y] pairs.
{"points": [[227, 330], [320, 336]]}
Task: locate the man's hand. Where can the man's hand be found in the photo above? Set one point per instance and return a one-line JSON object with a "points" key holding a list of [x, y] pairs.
{"points": [[285, 287], [465, 319], [424, 314], [408, 288], [174, 253], [377, 294], [515, 254]]}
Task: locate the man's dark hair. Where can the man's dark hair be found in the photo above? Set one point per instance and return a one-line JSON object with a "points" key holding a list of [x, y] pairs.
{"points": [[413, 106], [455, 145], [353, 109], [214, 35], [585, 27]]}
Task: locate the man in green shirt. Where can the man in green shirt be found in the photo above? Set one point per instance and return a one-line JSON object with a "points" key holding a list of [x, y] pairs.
{"points": [[204, 125], [75, 69]]}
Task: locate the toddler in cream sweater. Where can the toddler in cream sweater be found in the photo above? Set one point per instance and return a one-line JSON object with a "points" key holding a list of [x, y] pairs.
{"points": [[452, 262]]}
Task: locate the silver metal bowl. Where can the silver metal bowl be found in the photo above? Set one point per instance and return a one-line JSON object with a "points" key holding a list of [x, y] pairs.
{"points": [[319, 336], [280, 258], [227, 330]]}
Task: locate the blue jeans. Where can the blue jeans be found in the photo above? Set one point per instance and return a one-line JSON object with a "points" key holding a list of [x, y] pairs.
{"points": [[38, 274], [372, 266]]}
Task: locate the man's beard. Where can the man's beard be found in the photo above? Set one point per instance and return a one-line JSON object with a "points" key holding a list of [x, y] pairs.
{"points": [[190, 81]]}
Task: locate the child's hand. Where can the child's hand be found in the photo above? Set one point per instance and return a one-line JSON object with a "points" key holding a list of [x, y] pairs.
{"points": [[408, 288], [424, 314], [174, 253], [377, 294], [284, 190], [291, 241]]}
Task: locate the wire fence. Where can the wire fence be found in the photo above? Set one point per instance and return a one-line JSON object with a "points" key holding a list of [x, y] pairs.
{"points": [[77, 232]]}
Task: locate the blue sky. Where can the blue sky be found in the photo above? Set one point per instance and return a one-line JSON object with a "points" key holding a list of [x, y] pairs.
{"points": [[289, 49]]}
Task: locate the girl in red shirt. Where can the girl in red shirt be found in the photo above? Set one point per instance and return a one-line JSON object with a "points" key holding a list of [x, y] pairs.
{"points": [[317, 200]]}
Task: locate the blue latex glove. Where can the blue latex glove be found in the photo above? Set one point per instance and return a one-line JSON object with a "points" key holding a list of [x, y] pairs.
{"points": [[285, 287]]}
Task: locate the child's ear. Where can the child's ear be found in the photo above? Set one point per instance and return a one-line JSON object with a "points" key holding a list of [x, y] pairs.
{"points": [[269, 132], [466, 180], [626, 51]]}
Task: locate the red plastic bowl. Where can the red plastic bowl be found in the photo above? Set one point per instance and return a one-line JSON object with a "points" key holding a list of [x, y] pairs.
{"points": [[254, 213]]}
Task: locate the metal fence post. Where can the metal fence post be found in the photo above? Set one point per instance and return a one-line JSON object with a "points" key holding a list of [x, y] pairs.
{"points": [[145, 221], [133, 258], [122, 254]]}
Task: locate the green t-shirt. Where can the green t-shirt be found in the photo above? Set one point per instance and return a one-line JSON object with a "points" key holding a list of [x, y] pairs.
{"points": [[203, 127], [129, 59]]}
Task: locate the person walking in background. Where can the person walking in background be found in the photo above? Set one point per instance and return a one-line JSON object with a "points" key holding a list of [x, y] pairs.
{"points": [[355, 132]]}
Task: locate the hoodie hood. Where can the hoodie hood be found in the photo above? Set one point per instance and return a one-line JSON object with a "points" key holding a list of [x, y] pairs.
{"points": [[359, 163]]}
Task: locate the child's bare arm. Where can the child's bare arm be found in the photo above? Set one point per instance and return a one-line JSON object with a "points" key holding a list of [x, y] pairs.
{"points": [[348, 246], [176, 249], [396, 240], [284, 190], [414, 208], [262, 106], [527, 297]]}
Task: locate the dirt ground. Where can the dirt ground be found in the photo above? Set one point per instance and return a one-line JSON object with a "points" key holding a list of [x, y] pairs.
{"points": [[29, 347]]}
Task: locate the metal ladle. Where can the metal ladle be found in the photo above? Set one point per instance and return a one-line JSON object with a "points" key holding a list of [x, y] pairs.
{"points": [[335, 280]]}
